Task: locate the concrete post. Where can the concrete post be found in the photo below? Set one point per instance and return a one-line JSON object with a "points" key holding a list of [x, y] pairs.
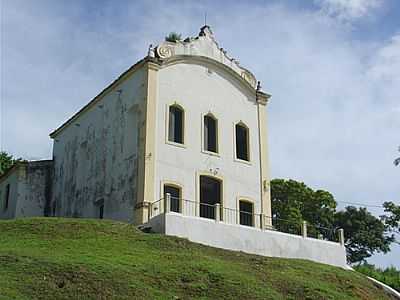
{"points": [[304, 229], [262, 221], [217, 212], [149, 212], [341, 236], [167, 205], [182, 201]]}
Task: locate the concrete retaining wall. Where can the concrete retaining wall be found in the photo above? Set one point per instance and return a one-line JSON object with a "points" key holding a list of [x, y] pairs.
{"points": [[248, 239]]}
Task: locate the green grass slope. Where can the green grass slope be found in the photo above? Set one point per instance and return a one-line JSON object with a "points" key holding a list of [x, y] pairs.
{"points": [[51, 258]]}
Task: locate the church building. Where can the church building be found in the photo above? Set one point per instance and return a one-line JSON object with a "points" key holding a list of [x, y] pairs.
{"points": [[187, 120]]}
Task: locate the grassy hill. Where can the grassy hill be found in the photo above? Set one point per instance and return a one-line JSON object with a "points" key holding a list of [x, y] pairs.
{"points": [[45, 258]]}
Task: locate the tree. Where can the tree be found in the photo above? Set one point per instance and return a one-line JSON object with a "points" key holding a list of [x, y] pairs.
{"points": [[173, 37], [397, 160], [364, 234], [7, 161], [294, 202], [392, 220], [389, 276]]}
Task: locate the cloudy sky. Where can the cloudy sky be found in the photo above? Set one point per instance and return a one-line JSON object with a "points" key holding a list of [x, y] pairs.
{"points": [[332, 67]]}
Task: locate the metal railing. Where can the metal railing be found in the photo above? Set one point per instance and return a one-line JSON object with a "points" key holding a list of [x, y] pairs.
{"points": [[234, 216]]}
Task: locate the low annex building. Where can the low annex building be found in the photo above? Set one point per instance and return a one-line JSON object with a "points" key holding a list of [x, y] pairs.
{"points": [[25, 190], [179, 138]]}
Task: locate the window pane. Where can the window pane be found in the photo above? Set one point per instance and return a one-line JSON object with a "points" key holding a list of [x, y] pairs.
{"points": [[175, 125], [7, 196], [210, 134], [246, 213], [175, 197], [171, 125], [242, 142], [178, 126]]}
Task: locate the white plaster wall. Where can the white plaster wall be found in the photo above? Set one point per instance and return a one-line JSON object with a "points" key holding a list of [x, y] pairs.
{"points": [[198, 91], [96, 156], [249, 240], [12, 180], [34, 189]]}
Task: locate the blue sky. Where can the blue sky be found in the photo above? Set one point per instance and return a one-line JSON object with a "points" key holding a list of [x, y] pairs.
{"points": [[332, 67]]}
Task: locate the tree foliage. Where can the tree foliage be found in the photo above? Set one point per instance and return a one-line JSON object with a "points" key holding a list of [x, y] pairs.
{"points": [[397, 160], [6, 161], [364, 233], [392, 219], [389, 276], [173, 37], [294, 202]]}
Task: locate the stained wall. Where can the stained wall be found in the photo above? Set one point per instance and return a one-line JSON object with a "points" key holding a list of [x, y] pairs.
{"points": [[96, 155]]}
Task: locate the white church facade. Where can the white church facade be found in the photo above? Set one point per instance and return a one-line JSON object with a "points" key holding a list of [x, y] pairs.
{"points": [[177, 143], [186, 120]]}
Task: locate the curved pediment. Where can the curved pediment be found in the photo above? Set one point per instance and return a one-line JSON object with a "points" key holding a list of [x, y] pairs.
{"points": [[212, 65], [204, 45]]}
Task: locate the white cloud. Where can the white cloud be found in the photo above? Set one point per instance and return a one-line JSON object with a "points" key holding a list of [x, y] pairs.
{"points": [[348, 10], [386, 63]]}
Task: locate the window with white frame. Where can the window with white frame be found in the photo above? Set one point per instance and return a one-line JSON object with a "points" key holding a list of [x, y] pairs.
{"points": [[176, 196], [246, 213], [242, 141], [210, 138], [176, 118]]}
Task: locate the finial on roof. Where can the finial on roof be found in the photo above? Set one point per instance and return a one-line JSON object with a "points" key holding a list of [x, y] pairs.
{"points": [[205, 30], [151, 52], [258, 85]]}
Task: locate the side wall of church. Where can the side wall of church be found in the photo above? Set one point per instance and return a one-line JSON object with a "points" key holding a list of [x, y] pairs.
{"points": [[96, 156]]}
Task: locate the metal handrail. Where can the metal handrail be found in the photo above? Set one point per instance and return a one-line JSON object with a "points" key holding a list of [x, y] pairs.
{"points": [[236, 216]]}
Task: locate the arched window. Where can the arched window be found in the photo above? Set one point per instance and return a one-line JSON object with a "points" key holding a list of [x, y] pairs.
{"points": [[242, 142], [176, 119], [210, 133], [176, 196]]}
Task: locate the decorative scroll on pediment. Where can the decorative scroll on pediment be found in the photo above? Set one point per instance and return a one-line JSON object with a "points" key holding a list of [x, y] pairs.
{"points": [[202, 45], [164, 51]]}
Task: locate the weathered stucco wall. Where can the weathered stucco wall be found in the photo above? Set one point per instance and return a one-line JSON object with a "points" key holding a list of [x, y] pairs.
{"points": [[199, 90], [96, 156], [12, 180], [248, 239], [30, 190], [34, 189]]}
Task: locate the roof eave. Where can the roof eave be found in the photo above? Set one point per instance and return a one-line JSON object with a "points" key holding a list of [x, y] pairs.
{"points": [[92, 102]]}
